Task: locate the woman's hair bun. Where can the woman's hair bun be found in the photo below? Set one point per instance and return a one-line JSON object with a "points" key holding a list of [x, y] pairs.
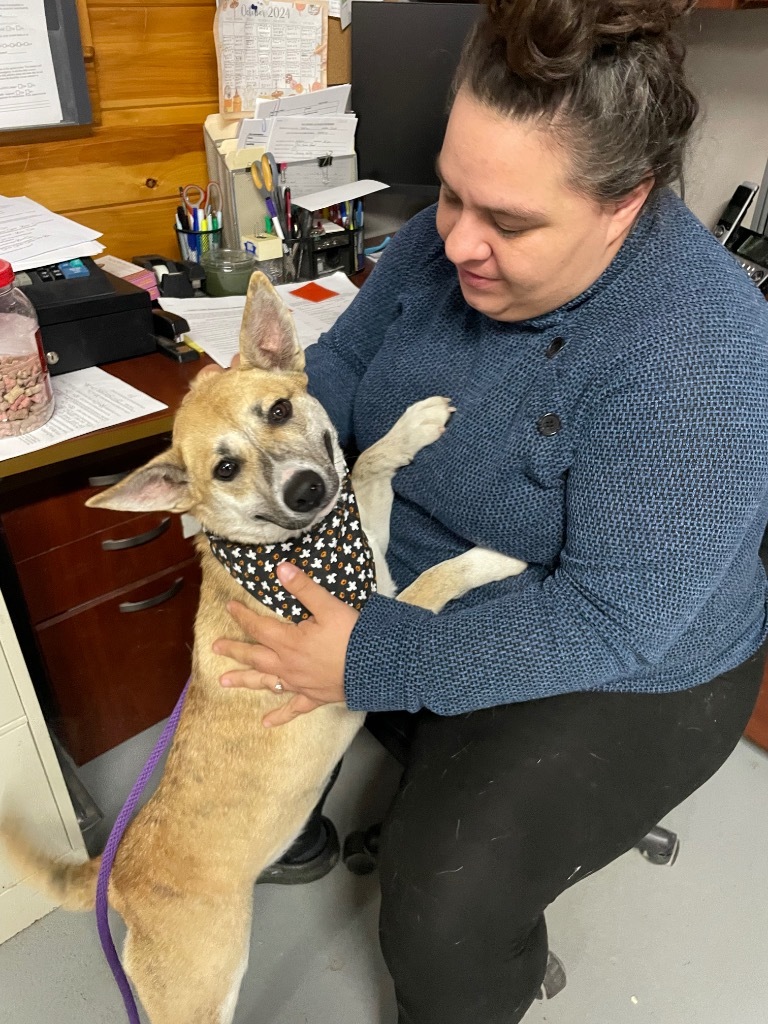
{"points": [[548, 40]]}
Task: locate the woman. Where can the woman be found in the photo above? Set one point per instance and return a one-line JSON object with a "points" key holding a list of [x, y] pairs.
{"points": [[609, 368]]}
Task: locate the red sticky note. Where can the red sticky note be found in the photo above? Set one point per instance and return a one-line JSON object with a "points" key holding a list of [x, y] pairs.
{"points": [[314, 292]]}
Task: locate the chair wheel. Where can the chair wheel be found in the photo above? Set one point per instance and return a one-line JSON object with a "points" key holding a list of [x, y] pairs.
{"points": [[361, 850], [660, 846]]}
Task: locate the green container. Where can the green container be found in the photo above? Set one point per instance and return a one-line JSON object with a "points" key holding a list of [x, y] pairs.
{"points": [[228, 271]]}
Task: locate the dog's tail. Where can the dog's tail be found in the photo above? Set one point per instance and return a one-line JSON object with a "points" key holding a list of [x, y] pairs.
{"points": [[73, 886]]}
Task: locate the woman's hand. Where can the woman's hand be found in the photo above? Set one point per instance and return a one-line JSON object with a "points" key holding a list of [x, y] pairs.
{"points": [[306, 659]]}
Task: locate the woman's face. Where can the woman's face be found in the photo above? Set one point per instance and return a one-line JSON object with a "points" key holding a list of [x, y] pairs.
{"points": [[522, 240]]}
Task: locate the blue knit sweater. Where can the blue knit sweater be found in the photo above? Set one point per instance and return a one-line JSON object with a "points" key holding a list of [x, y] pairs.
{"points": [[641, 517]]}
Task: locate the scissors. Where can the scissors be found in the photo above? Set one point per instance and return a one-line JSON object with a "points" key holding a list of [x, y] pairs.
{"points": [[264, 174], [206, 201]]}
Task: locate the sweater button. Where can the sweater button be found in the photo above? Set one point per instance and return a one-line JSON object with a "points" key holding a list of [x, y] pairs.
{"points": [[554, 346], [549, 424]]}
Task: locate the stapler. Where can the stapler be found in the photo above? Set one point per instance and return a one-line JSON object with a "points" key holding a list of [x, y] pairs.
{"points": [[179, 279], [170, 329]]}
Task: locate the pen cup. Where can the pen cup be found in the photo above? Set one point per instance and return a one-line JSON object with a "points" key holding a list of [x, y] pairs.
{"points": [[194, 244]]}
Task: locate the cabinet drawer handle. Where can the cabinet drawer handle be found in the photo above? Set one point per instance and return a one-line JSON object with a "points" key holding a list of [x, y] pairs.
{"points": [[139, 538], [141, 606], [106, 481]]}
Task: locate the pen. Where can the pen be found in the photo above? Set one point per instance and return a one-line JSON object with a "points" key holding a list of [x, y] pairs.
{"points": [[275, 220], [287, 203]]}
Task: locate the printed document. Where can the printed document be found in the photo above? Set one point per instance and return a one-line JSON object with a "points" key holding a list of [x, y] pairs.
{"points": [[214, 324], [84, 400], [302, 138], [32, 236], [29, 95], [330, 102]]}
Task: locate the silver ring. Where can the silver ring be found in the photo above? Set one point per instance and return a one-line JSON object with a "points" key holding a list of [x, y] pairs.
{"points": [[278, 687]]}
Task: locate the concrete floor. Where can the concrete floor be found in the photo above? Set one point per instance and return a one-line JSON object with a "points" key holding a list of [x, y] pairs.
{"points": [[680, 945]]}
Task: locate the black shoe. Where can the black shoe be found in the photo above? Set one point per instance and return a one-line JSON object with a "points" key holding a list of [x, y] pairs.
{"points": [[554, 978], [297, 869]]}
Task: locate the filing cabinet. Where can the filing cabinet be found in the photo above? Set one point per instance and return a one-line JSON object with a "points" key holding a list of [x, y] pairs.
{"points": [[107, 600], [31, 785]]}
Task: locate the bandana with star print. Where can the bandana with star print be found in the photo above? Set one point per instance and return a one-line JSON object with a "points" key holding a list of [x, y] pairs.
{"points": [[334, 553]]}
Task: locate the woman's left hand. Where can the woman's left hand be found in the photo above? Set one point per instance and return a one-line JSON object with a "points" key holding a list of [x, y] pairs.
{"points": [[307, 658]]}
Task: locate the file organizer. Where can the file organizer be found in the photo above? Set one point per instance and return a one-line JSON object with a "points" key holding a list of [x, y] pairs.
{"points": [[243, 208]]}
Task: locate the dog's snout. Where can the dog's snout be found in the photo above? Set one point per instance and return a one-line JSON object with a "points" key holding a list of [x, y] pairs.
{"points": [[304, 492]]}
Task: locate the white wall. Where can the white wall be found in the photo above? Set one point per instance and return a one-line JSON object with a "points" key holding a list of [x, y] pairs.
{"points": [[728, 68]]}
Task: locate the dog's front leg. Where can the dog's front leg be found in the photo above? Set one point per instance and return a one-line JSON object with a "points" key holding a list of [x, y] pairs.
{"points": [[420, 425], [454, 577]]}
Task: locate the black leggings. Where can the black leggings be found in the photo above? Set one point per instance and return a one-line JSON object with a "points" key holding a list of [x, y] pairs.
{"points": [[501, 810]]}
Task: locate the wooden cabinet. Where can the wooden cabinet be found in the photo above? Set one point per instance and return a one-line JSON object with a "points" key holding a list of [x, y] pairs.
{"points": [[757, 730], [109, 600]]}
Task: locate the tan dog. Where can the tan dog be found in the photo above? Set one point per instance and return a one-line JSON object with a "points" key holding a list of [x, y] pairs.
{"points": [[254, 457]]}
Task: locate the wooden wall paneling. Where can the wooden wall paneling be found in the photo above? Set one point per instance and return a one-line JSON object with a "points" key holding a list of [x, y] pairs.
{"points": [[154, 55], [132, 229], [124, 164], [166, 116]]}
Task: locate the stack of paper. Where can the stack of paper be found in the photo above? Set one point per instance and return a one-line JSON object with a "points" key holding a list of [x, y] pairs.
{"points": [[32, 236], [214, 324], [313, 124]]}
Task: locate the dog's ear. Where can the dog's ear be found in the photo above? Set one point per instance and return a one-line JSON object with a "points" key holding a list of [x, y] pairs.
{"points": [[160, 486], [268, 338]]}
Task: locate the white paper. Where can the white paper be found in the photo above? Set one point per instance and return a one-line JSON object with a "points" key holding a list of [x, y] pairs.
{"points": [[47, 259], [329, 102], [301, 138], [214, 324], [28, 91], [345, 13], [85, 400], [32, 236], [314, 318], [338, 194]]}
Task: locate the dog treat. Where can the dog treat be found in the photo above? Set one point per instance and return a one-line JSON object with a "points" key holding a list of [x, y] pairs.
{"points": [[26, 399]]}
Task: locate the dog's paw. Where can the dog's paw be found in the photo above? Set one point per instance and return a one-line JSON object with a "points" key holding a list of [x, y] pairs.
{"points": [[421, 424]]}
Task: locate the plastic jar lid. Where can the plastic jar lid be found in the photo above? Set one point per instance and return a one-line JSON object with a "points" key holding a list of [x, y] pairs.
{"points": [[6, 273], [229, 260]]}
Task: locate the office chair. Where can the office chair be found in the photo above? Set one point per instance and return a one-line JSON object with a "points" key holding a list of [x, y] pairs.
{"points": [[393, 730]]}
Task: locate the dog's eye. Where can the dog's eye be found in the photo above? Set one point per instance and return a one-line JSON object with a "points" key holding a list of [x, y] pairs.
{"points": [[227, 469], [281, 411]]}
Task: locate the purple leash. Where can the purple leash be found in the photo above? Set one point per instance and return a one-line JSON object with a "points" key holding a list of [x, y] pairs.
{"points": [[108, 858]]}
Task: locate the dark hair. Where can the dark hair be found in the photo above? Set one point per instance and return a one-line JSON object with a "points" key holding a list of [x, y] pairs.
{"points": [[605, 77]]}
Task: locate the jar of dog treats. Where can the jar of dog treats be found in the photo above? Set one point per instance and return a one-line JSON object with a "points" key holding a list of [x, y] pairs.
{"points": [[26, 397]]}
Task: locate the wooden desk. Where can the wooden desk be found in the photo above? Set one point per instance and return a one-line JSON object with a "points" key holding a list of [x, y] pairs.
{"points": [[156, 375], [104, 669]]}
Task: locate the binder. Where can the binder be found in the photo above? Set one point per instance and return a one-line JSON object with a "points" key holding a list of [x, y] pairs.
{"points": [[242, 206]]}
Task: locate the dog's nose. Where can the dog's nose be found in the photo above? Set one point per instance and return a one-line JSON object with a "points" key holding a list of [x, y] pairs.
{"points": [[304, 492]]}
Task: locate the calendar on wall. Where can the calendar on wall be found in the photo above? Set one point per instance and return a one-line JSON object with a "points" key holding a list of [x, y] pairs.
{"points": [[268, 49]]}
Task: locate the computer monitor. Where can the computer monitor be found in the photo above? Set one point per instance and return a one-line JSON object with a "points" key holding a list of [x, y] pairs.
{"points": [[403, 59]]}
